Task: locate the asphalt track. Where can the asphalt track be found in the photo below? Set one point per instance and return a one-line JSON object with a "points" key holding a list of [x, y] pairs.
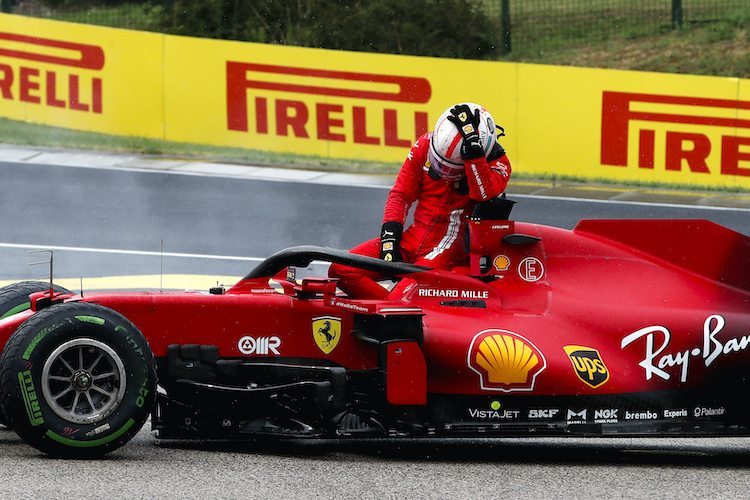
{"points": [[128, 221], [106, 216]]}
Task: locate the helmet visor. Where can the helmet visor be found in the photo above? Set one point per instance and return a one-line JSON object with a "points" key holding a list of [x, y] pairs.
{"points": [[448, 171]]}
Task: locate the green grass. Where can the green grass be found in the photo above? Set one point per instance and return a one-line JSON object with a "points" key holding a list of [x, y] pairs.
{"points": [[618, 34], [719, 48]]}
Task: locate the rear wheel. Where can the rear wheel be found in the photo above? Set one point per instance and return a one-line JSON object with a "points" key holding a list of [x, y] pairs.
{"points": [[14, 298], [77, 380]]}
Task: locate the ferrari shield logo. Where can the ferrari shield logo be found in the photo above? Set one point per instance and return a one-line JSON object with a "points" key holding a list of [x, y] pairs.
{"points": [[588, 365], [326, 332]]}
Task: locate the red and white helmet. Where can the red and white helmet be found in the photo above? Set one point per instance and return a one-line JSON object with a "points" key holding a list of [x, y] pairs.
{"points": [[446, 142]]}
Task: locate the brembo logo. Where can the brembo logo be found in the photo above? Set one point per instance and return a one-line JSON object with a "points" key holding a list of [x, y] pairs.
{"points": [[345, 119], [60, 87], [693, 147]]}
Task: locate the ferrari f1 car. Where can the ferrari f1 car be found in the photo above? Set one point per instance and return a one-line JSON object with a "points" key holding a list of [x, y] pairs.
{"points": [[614, 328]]}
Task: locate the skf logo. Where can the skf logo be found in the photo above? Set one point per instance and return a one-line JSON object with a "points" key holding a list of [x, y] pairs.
{"points": [[588, 365], [543, 413], [68, 85], [680, 147], [329, 121], [326, 332], [505, 361]]}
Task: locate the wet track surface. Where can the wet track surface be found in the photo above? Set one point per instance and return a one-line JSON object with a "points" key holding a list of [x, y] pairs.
{"points": [[112, 222], [163, 220], [388, 468]]}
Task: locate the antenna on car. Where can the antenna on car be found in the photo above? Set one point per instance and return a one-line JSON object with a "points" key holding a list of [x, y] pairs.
{"points": [[51, 267]]}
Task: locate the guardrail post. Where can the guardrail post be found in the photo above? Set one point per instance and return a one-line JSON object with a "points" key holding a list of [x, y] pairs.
{"points": [[676, 14], [506, 25]]}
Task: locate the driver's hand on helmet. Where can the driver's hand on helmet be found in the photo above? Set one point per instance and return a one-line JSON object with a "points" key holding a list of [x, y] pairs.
{"points": [[468, 125]]}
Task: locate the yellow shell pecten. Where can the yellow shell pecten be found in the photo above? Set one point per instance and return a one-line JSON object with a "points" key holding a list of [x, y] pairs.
{"points": [[506, 359]]}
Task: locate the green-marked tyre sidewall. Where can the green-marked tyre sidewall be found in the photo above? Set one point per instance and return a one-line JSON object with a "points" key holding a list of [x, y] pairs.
{"points": [[14, 298], [30, 411]]}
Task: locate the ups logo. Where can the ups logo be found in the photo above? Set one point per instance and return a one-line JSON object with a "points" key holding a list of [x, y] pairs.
{"points": [[588, 365]]}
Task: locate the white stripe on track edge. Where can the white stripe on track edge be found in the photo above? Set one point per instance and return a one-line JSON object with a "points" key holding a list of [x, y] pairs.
{"points": [[129, 252]]}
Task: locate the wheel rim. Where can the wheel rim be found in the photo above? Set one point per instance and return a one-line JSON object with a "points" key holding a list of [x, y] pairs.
{"points": [[83, 380]]}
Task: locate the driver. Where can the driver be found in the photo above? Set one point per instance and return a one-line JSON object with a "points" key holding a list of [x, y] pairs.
{"points": [[446, 173]]}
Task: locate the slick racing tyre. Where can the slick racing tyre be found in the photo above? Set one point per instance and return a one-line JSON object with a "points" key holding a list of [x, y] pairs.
{"points": [[77, 380], [14, 298]]}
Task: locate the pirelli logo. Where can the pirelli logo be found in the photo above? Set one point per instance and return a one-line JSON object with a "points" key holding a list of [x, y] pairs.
{"points": [[694, 134], [271, 99], [68, 83]]}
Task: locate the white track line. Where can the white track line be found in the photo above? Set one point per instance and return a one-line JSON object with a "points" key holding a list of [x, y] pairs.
{"points": [[129, 252]]}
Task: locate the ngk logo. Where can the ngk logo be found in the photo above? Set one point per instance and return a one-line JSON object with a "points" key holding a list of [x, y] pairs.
{"points": [[344, 120], [64, 86], [682, 146]]}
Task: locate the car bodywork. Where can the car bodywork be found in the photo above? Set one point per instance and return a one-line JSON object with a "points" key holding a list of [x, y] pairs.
{"points": [[617, 327]]}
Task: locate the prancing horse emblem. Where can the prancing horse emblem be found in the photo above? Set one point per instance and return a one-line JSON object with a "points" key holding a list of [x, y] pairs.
{"points": [[326, 332]]}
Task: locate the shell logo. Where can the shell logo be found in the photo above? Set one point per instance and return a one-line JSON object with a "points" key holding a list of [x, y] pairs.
{"points": [[505, 361], [501, 262]]}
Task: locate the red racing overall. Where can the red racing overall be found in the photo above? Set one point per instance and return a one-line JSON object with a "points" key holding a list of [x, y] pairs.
{"points": [[435, 239]]}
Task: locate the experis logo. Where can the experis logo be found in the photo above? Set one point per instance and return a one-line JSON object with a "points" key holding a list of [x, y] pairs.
{"points": [[60, 87], [343, 118], [685, 142]]}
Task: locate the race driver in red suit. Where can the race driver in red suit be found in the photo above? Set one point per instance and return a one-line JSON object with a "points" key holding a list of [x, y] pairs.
{"points": [[446, 173]]}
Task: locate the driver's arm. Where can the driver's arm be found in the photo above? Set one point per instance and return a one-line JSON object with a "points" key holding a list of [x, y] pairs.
{"points": [[487, 180]]}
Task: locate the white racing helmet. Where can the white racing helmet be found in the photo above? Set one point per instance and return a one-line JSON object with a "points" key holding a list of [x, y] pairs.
{"points": [[446, 141]]}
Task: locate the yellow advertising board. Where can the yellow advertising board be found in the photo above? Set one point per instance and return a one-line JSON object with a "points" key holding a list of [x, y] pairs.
{"points": [[586, 123], [633, 126], [311, 101], [81, 77]]}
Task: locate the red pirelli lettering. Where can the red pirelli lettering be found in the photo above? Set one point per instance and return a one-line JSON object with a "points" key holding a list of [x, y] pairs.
{"points": [[407, 89], [731, 155], [49, 87], [83, 55], [692, 149]]}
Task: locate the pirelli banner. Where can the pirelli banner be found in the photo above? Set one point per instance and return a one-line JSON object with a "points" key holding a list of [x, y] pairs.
{"points": [[587, 123]]}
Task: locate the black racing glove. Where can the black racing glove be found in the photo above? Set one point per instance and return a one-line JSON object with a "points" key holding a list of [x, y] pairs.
{"points": [[468, 124], [390, 238]]}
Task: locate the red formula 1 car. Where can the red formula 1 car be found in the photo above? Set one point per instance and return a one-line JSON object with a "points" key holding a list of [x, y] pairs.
{"points": [[618, 327]]}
